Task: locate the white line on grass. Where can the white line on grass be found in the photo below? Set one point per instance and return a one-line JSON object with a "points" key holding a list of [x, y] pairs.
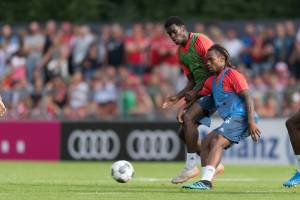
{"points": [[148, 179]]}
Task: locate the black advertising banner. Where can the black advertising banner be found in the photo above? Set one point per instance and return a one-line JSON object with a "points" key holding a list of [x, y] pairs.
{"points": [[121, 140]]}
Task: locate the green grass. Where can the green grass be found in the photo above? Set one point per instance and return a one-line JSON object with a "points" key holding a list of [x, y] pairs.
{"points": [[91, 180]]}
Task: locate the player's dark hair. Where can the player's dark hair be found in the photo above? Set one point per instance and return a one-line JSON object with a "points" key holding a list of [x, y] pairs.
{"points": [[220, 49], [173, 20]]}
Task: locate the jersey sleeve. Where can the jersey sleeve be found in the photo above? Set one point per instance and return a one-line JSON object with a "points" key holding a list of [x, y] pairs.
{"points": [[207, 88], [202, 44], [237, 81]]}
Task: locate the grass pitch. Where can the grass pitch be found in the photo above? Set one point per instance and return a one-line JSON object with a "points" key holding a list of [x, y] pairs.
{"points": [[91, 180]]}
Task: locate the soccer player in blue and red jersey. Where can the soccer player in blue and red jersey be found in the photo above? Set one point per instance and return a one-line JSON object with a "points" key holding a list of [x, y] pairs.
{"points": [[192, 48], [234, 105], [293, 127]]}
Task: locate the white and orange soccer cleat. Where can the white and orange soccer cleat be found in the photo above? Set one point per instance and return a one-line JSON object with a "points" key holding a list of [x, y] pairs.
{"points": [[220, 170], [185, 175]]}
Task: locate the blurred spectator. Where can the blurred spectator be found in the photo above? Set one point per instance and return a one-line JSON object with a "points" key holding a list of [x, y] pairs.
{"points": [[283, 74], [258, 87], [248, 41], [8, 41], [283, 42], [66, 36], [199, 28], [59, 63], [116, 47], [163, 55], [104, 94], [90, 63], [50, 33], [144, 105], [290, 95], [216, 34], [33, 46], [149, 26], [9, 44], [57, 88], [83, 40], [105, 33], [155, 45], [262, 54], [135, 46], [3, 62], [127, 96], [78, 92], [17, 66], [233, 45], [270, 108], [158, 91], [68, 72], [294, 60]]}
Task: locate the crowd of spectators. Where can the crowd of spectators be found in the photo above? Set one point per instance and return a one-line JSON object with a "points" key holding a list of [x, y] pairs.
{"points": [[75, 72]]}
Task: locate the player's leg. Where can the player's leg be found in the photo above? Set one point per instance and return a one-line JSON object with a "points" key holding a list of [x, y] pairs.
{"points": [[198, 113], [181, 133], [207, 103], [293, 127], [217, 144], [190, 118], [206, 146], [231, 131], [190, 126]]}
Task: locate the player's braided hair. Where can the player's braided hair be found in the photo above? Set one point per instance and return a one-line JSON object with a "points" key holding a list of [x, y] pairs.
{"points": [[173, 20], [220, 49]]}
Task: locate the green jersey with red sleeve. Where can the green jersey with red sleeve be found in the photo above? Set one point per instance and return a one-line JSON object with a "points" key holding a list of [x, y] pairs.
{"points": [[192, 58]]}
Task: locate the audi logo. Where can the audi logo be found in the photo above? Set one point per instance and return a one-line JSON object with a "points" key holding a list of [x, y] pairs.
{"points": [[93, 144], [153, 145]]}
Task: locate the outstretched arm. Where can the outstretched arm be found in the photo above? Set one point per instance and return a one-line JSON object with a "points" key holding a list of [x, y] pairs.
{"points": [[170, 101], [253, 129]]}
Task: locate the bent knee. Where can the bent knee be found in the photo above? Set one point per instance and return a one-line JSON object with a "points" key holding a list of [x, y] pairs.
{"points": [[220, 141]]}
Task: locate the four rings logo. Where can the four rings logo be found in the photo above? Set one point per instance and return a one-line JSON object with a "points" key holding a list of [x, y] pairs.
{"points": [[153, 145], [94, 144]]}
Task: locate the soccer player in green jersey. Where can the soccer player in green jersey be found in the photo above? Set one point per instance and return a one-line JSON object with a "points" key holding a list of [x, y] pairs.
{"points": [[192, 48]]}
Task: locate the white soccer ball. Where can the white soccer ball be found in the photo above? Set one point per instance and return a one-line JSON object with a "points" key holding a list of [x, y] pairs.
{"points": [[122, 171]]}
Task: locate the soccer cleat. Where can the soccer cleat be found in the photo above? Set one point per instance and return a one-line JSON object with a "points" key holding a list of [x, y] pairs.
{"points": [[219, 170], [199, 185], [295, 180], [186, 175]]}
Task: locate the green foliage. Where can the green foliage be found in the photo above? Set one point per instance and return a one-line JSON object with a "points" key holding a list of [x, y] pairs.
{"points": [[145, 10]]}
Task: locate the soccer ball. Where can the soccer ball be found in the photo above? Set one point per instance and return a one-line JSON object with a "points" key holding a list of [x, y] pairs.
{"points": [[122, 171]]}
